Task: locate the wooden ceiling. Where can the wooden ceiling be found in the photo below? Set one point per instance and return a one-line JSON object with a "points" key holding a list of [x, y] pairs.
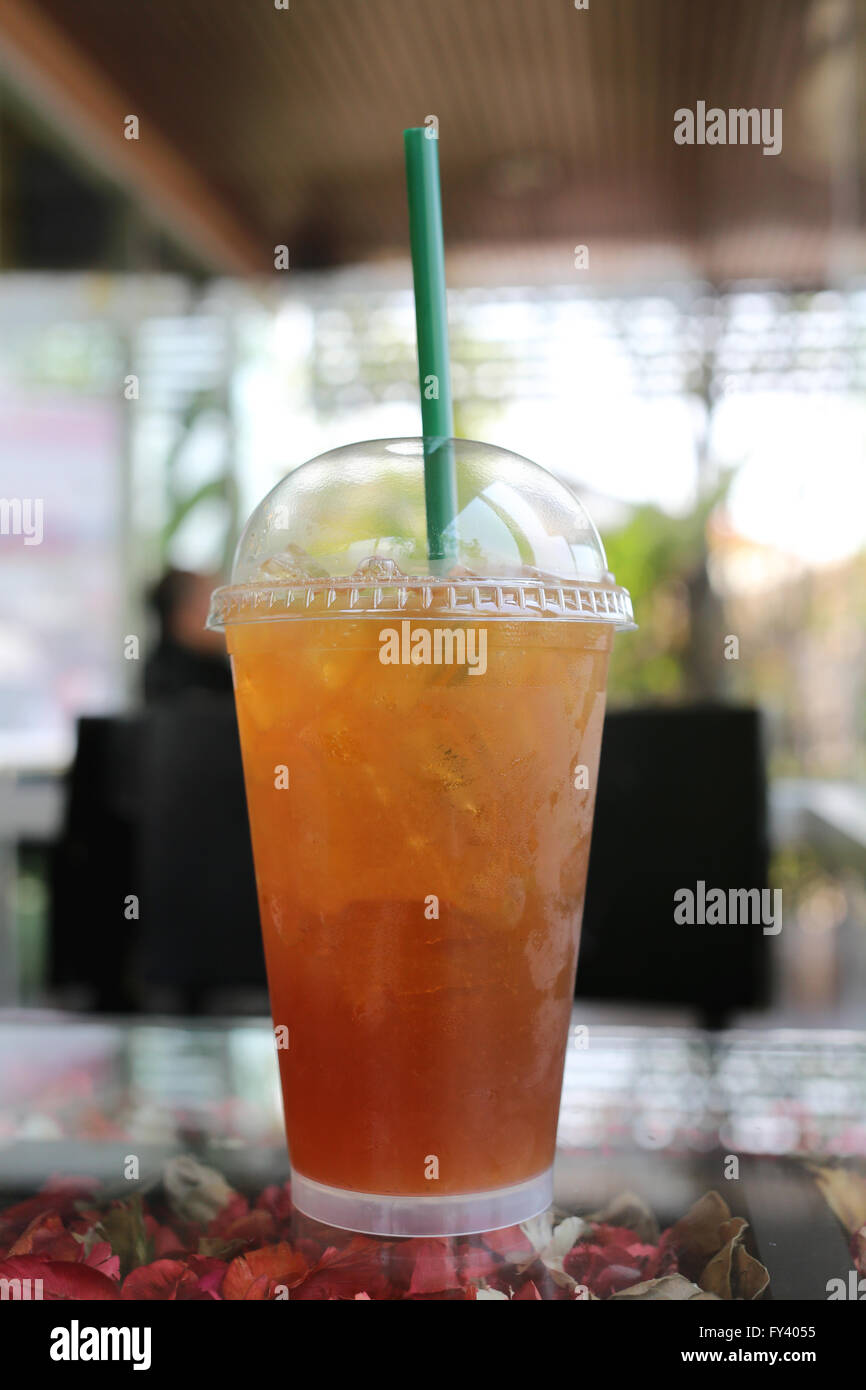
{"points": [[556, 124]]}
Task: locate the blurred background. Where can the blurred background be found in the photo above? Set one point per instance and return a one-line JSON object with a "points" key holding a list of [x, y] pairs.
{"points": [[205, 281]]}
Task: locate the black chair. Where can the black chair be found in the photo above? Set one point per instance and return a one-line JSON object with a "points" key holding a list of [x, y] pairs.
{"points": [[199, 928], [681, 798]]}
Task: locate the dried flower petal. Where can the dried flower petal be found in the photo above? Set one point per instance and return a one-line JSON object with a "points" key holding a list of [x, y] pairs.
{"points": [[46, 1236], [697, 1236], [528, 1290], [512, 1242], [631, 1211], [101, 1258], [674, 1287], [361, 1266], [163, 1280], [844, 1191], [256, 1274], [435, 1268], [59, 1195], [196, 1192], [61, 1279]]}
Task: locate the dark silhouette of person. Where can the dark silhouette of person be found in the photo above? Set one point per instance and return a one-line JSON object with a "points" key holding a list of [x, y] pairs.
{"points": [[188, 656]]}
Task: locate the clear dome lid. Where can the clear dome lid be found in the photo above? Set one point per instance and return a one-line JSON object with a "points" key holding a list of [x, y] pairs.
{"points": [[347, 533]]}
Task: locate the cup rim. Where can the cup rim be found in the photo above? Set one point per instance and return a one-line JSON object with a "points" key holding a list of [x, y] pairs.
{"points": [[425, 597]]}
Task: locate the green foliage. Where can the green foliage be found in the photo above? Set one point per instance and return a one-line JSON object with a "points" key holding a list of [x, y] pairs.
{"points": [[657, 557], [222, 488]]}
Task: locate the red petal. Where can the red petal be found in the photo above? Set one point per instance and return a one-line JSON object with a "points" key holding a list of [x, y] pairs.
{"points": [[102, 1259], [256, 1226], [47, 1236], [510, 1242], [163, 1280], [235, 1208], [435, 1266], [164, 1240], [506, 1280], [662, 1261], [61, 1279], [58, 1195], [446, 1296], [276, 1264], [210, 1273], [528, 1291], [278, 1201], [605, 1269], [360, 1267], [611, 1235], [639, 1252], [475, 1262], [259, 1291]]}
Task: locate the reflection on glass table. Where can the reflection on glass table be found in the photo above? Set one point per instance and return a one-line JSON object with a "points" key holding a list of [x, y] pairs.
{"points": [[773, 1123]]}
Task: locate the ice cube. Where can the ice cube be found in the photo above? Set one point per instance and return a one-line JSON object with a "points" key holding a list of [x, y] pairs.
{"points": [[376, 569], [290, 566]]}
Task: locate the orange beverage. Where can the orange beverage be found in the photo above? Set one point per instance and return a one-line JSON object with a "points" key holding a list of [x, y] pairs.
{"points": [[420, 749], [421, 865]]}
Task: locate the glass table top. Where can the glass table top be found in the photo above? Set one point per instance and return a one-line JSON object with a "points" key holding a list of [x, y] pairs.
{"points": [[665, 1115]]}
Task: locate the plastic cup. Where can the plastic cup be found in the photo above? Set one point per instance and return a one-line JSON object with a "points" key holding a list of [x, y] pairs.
{"points": [[420, 743]]}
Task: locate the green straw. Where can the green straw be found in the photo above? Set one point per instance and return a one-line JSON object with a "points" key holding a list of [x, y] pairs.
{"points": [[431, 320]]}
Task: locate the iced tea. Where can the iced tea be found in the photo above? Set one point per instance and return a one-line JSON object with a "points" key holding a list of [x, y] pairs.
{"points": [[421, 833]]}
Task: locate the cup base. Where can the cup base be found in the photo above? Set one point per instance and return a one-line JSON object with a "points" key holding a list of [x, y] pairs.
{"points": [[457, 1214]]}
